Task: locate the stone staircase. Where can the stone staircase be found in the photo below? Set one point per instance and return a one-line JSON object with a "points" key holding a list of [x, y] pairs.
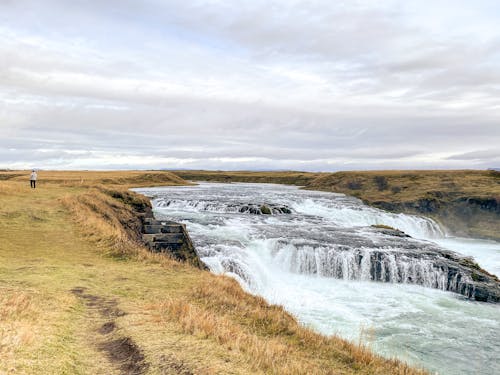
{"points": [[164, 236]]}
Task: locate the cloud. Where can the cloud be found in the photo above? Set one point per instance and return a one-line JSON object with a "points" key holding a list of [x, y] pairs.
{"points": [[302, 85], [477, 155]]}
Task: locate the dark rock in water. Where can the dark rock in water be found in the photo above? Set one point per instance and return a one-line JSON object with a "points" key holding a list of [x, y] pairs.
{"points": [[254, 210], [229, 207], [387, 230], [265, 210]]}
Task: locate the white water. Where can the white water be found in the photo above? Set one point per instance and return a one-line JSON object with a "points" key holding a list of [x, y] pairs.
{"points": [[305, 261]]}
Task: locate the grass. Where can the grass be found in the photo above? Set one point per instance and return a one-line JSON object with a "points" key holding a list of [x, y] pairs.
{"points": [[78, 295], [285, 177], [91, 178], [406, 186]]}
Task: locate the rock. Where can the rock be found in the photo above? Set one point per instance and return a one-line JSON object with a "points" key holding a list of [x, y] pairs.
{"points": [[265, 210], [390, 231]]}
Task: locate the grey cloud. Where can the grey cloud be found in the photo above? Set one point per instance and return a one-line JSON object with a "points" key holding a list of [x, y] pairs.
{"points": [[303, 85], [478, 155]]}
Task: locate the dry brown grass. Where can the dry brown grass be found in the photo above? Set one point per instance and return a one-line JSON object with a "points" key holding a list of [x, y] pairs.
{"points": [[10, 187], [18, 324], [403, 186], [91, 178], [268, 355], [98, 216], [279, 177]]}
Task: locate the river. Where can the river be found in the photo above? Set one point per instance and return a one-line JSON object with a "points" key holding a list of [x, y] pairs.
{"points": [[306, 257]]}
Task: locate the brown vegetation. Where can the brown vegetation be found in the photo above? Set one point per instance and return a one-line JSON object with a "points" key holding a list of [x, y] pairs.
{"points": [[92, 178], [291, 178], [466, 202]]}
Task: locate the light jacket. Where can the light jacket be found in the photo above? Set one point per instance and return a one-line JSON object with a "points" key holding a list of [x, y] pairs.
{"points": [[33, 176]]}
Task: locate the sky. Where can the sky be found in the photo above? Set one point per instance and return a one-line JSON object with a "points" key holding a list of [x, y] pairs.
{"points": [[261, 85]]}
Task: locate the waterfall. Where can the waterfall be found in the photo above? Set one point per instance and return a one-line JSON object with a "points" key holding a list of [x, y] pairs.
{"points": [[382, 264], [327, 266], [344, 213], [316, 234]]}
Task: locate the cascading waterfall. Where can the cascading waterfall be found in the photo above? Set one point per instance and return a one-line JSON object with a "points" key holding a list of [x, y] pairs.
{"points": [[320, 257], [367, 264], [343, 254], [344, 212]]}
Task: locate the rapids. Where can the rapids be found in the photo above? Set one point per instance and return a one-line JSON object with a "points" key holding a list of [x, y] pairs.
{"points": [[315, 254]]}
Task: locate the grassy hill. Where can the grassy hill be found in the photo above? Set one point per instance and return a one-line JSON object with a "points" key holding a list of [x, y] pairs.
{"points": [[285, 177], [467, 202], [79, 294]]}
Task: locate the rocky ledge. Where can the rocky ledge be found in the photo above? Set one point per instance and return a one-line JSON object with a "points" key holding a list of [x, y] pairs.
{"points": [[456, 273]]}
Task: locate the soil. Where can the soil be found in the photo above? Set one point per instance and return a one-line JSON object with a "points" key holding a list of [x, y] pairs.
{"points": [[121, 351]]}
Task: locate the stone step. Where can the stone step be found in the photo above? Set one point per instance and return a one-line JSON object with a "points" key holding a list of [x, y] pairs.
{"points": [[164, 237], [168, 228], [165, 246], [151, 221]]}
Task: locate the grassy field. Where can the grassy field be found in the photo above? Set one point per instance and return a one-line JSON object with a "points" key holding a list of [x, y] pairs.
{"points": [[467, 202], [285, 177], [79, 296]]}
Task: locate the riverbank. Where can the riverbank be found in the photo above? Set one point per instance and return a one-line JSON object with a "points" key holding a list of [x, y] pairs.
{"points": [[79, 294], [466, 202]]}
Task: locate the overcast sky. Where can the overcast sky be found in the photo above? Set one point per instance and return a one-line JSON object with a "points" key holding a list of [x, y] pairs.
{"points": [[306, 85]]}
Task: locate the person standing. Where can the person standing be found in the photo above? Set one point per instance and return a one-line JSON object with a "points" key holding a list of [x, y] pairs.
{"points": [[33, 178]]}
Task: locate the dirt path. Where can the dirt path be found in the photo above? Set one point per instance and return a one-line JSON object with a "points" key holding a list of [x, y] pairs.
{"points": [[121, 351]]}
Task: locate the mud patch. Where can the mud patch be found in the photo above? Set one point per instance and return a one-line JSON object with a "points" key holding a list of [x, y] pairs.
{"points": [[126, 355], [106, 307], [77, 290], [123, 351], [107, 328]]}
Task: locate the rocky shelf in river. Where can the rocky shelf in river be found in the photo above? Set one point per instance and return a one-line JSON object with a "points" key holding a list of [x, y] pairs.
{"points": [[394, 257]]}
